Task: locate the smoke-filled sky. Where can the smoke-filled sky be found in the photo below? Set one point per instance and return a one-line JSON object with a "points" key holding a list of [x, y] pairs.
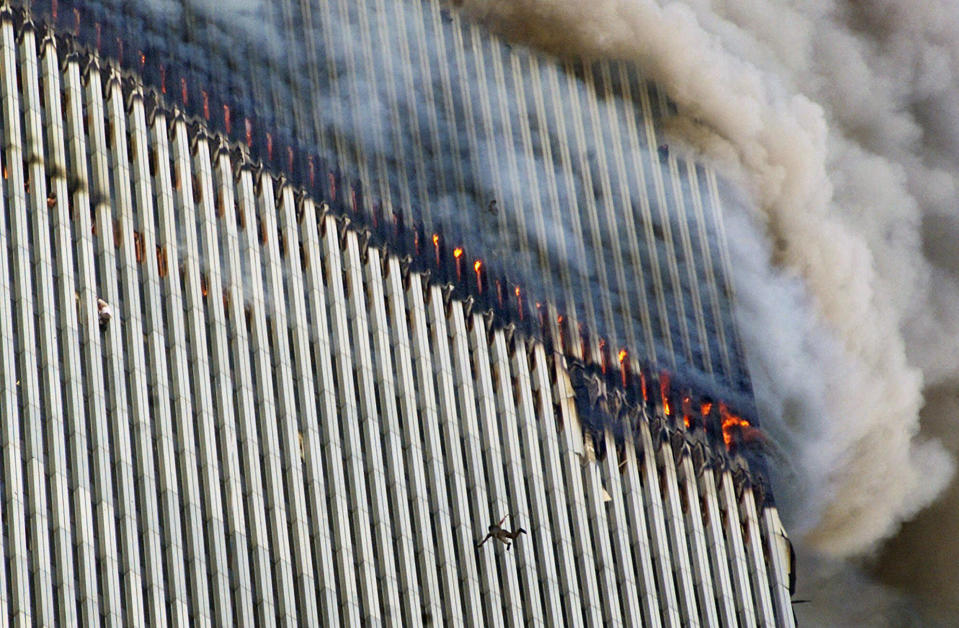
{"points": [[836, 125], [839, 122]]}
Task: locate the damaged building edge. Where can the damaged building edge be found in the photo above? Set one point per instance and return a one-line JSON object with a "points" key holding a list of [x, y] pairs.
{"points": [[629, 394], [671, 528], [676, 321]]}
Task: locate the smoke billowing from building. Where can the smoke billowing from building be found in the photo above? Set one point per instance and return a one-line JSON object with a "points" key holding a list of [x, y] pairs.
{"points": [[821, 136], [838, 225], [838, 120]]}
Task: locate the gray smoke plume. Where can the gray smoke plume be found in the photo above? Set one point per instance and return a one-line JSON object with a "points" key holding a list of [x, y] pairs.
{"points": [[839, 121], [835, 123]]}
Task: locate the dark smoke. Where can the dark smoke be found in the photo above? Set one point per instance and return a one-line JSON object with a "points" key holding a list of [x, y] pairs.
{"points": [[836, 121], [839, 120], [451, 121]]}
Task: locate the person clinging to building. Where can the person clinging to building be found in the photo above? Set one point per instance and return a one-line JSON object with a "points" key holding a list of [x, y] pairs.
{"points": [[104, 313]]}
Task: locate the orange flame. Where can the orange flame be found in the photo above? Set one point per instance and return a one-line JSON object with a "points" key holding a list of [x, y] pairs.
{"points": [[622, 355], [730, 423], [477, 265], [664, 392], [519, 302], [687, 411], [436, 247], [706, 407], [602, 355], [436, 239], [458, 254]]}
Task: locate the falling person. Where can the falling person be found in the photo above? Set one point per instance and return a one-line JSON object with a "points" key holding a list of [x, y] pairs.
{"points": [[104, 312], [496, 531]]}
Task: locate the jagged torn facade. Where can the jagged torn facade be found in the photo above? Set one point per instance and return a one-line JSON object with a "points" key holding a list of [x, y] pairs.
{"points": [[285, 421]]}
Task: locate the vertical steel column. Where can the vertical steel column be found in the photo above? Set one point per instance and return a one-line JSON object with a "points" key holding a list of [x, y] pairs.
{"points": [[454, 608], [252, 237], [672, 599], [448, 423], [676, 529], [499, 504], [780, 554], [308, 419], [512, 461], [391, 434], [368, 447], [203, 421], [716, 548], [527, 444], [179, 373], [239, 211], [569, 212], [30, 411], [621, 555], [576, 138], [556, 217], [476, 485], [660, 608], [595, 508], [16, 560], [134, 364], [571, 459], [757, 562], [705, 257], [696, 539], [54, 453], [553, 490], [331, 448], [348, 423], [108, 568], [68, 329], [432, 606], [154, 330], [664, 207], [737, 552], [237, 566], [290, 447], [118, 411]]}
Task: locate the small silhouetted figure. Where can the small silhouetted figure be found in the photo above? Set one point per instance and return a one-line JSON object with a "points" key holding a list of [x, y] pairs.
{"points": [[663, 151], [104, 312], [491, 208], [496, 531], [51, 200]]}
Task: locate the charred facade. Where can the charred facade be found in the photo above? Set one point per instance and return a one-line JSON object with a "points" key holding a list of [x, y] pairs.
{"points": [[237, 387]]}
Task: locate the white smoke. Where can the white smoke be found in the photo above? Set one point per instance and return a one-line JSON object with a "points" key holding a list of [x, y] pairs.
{"points": [[838, 120]]}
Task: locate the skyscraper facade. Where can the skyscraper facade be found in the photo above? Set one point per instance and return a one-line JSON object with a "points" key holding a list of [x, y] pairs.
{"points": [[270, 359]]}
